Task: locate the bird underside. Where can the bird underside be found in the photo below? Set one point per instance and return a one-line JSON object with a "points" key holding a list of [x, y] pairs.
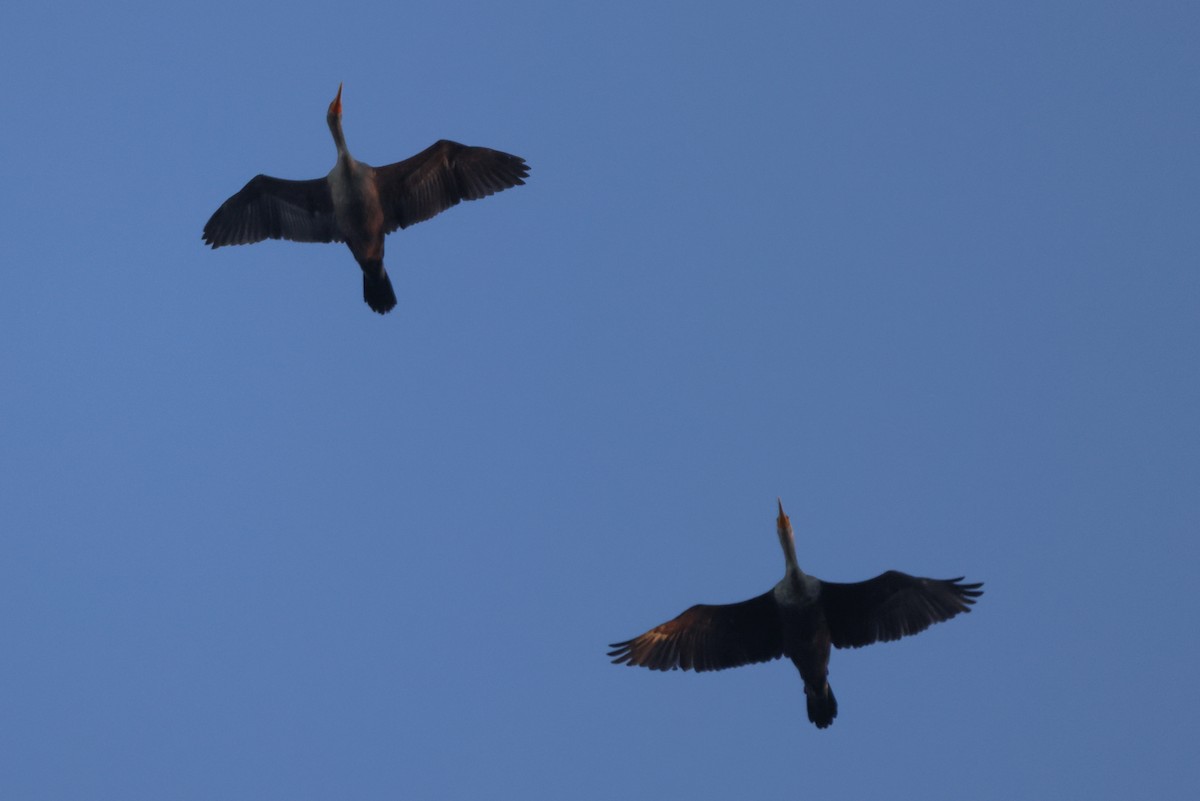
{"points": [[360, 204], [801, 618]]}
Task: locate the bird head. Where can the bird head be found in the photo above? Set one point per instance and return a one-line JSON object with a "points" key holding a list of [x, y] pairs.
{"points": [[787, 539], [335, 108]]}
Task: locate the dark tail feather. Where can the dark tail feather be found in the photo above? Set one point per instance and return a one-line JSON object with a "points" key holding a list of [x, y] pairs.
{"points": [[377, 290], [822, 706]]}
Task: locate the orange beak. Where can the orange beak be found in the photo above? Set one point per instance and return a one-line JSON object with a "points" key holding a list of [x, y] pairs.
{"points": [[784, 523], [335, 108]]}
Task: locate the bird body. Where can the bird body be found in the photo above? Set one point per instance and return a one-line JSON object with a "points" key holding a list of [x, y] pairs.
{"points": [[805, 638], [358, 214], [802, 618], [359, 204]]}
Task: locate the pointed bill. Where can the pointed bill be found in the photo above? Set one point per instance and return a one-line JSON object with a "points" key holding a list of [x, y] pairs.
{"points": [[335, 108]]}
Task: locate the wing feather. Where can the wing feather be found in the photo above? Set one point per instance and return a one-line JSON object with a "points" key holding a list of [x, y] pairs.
{"points": [[274, 208], [891, 605], [441, 176], [708, 637]]}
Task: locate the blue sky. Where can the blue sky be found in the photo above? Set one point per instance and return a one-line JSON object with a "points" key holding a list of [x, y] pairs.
{"points": [[926, 271]]}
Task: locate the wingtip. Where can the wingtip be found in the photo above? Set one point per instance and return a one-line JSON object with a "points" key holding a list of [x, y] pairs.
{"points": [[621, 653], [975, 589], [968, 594]]}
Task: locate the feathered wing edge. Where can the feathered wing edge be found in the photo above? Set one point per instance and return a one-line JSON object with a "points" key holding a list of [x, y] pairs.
{"points": [[708, 637], [892, 605], [274, 208], [441, 176]]}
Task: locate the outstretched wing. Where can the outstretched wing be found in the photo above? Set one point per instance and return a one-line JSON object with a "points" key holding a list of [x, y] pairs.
{"points": [[709, 638], [891, 606], [441, 176], [274, 208]]}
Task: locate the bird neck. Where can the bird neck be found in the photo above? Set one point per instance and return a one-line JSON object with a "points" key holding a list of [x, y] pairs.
{"points": [[788, 542], [339, 139]]}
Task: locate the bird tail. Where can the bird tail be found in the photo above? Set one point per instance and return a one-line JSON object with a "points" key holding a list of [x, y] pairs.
{"points": [[822, 706], [377, 288]]}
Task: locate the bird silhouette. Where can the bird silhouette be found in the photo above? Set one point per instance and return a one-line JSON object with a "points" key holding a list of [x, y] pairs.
{"points": [[800, 618], [359, 204]]}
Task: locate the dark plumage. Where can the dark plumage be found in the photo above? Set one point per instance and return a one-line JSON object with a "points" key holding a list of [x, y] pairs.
{"points": [[359, 204], [800, 618]]}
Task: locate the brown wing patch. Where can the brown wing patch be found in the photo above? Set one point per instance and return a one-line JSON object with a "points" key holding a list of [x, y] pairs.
{"points": [[708, 637], [443, 175]]}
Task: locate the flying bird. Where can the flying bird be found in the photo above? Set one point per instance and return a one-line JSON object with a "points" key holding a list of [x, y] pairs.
{"points": [[800, 618], [359, 204]]}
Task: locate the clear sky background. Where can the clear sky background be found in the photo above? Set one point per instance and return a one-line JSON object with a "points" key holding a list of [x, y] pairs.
{"points": [[927, 271]]}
